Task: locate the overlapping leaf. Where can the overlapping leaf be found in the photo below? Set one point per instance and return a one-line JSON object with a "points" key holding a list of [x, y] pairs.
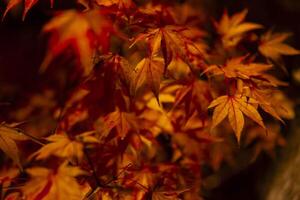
{"points": [[82, 32], [234, 107], [28, 4], [148, 72], [123, 122], [60, 145], [172, 41], [48, 184], [8, 135], [195, 95], [235, 68]]}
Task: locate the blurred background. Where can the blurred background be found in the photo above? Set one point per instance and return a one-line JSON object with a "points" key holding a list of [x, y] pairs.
{"points": [[22, 48]]}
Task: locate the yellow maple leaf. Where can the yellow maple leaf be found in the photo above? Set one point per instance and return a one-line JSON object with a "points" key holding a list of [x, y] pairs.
{"points": [[232, 28], [123, 122], [234, 107], [49, 184], [149, 72], [8, 135], [235, 68], [172, 41], [272, 46], [62, 146]]}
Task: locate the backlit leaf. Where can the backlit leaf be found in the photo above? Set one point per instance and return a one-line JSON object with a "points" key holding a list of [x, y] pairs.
{"points": [[8, 136], [234, 107]]}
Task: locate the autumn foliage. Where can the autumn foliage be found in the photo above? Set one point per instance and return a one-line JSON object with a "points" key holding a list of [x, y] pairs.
{"points": [[140, 98]]}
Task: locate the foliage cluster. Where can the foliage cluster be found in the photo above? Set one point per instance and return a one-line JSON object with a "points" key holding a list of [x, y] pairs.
{"points": [[137, 103]]}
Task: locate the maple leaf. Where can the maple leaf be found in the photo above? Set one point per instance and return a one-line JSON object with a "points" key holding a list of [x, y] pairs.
{"points": [[195, 95], [123, 122], [234, 107], [273, 102], [191, 143], [284, 106], [186, 14], [61, 146], [235, 68], [81, 31], [8, 135], [266, 103], [117, 71], [28, 4], [232, 29], [119, 3], [154, 116], [149, 72], [272, 46], [48, 184], [173, 41], [178, 69]]}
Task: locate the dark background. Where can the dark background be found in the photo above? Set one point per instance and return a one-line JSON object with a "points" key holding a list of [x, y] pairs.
{"points": [[22, 48]]}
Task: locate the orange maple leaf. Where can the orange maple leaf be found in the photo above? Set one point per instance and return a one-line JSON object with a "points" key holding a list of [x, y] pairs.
{"points": [[117, 70], [272, 47], [232, 29], [149, 72], [8, 135], [123, 122], [195, 95], [28, 4], [172, 41], [79, 31], [61, 146], [234, 107], [235, 68], [48, 184]]}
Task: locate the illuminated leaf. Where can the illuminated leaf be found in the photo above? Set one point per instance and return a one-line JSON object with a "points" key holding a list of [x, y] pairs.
{"points": [[234, 107], [48, 184], [122, 121], [61, 146], [231, 29], [8, 135], [149, 72], [79, 31], [272, 46], [28, 4], [172, 41]]}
